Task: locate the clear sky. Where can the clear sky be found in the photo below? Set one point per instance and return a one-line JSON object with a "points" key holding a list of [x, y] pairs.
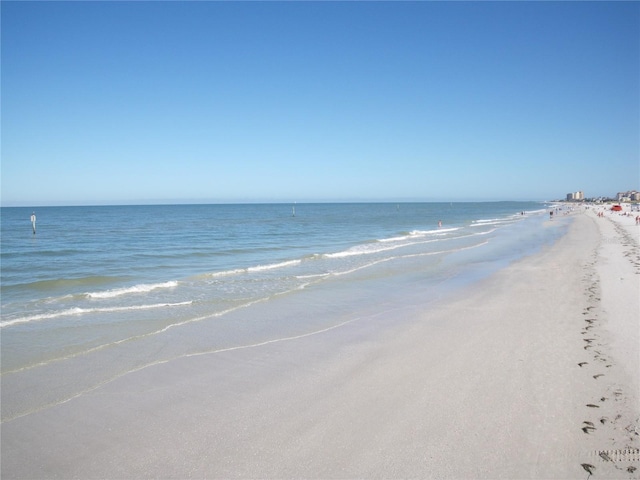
{"points": [[144, 102]]}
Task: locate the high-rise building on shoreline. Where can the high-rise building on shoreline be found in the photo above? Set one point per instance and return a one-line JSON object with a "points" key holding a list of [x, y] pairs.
{"points": [[630, 196], [575, 196]]}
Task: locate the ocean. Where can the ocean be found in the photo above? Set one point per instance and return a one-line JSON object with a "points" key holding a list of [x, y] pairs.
{"points": [[101, 291]]}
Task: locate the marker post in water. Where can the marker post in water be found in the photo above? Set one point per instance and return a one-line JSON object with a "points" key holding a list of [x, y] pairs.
{"points": [[33, 222]]}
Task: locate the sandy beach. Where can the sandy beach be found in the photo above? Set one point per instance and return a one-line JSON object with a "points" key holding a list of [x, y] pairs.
{"points": [[531, 373]]}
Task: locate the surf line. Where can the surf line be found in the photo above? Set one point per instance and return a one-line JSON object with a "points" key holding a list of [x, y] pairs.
{"points": [[85, 311], [195, 354], [179, 357], [187, 355], [129, 339], [150, 334]]}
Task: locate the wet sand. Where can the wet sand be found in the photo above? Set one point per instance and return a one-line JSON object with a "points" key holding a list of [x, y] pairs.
{"points": [[531, 373]]}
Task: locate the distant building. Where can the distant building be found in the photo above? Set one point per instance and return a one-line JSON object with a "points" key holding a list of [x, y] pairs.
{"points": [[575, 196], [630, 196]]}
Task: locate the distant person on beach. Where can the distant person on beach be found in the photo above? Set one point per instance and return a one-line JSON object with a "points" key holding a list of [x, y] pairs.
{"points": [[439, 223], [33, 222]]}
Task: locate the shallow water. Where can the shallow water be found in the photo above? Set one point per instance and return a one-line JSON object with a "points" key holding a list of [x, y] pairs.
{"points": [[101, 291]]}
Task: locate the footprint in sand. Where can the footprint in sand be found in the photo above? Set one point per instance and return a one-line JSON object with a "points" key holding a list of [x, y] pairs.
{"points": [[591, 405], [598, 375], [589, 468], [588, 427], [605, 457], [583, 363]]}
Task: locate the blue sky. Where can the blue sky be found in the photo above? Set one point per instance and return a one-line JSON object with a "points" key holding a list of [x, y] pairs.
{"points": [[144, 102]]}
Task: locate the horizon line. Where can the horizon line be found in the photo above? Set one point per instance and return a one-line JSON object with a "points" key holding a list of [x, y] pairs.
{"points": [[141, 203]]}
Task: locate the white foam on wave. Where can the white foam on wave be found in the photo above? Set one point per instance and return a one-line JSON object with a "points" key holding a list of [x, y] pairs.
{"points": [[411, 255], [497, 221], [271, 266], [142, 288], [257, 268], [488, 224], [82, 311], [384, 246], [226, 273], [312, 275], [368, 249], [417, 234], [486, 220], [437, 231], [395, 239], [484, 233]]}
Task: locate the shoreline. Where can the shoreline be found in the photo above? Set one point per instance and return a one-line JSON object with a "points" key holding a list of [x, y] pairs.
{"points": [[490, 383]]}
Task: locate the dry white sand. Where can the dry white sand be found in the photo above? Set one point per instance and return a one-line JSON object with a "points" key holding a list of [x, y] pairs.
{"points": [[532, 373]]}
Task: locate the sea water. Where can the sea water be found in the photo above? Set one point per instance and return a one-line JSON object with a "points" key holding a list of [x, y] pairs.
{"points": [[98, 292]]}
